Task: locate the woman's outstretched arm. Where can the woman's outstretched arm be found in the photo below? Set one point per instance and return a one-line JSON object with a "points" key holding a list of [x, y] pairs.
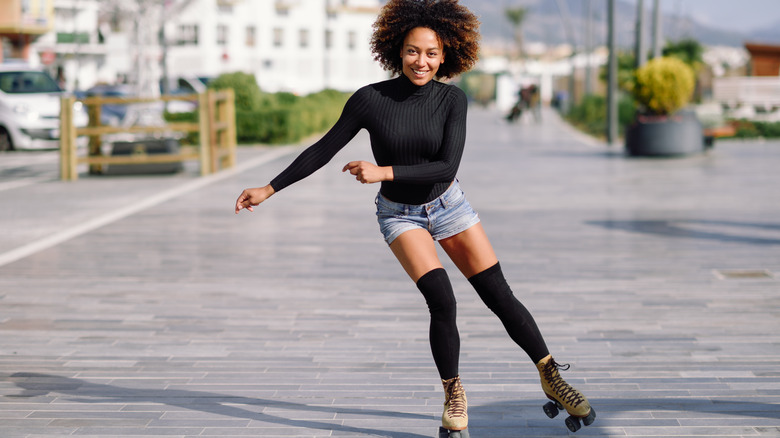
{"points": [[313, 158], [250, 198]]}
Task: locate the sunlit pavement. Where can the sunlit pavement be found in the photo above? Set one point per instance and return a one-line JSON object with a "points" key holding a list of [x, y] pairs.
{"points": [[144, 306]]}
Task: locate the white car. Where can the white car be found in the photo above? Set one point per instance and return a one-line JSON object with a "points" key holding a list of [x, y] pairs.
{"points": [[30, 109]]}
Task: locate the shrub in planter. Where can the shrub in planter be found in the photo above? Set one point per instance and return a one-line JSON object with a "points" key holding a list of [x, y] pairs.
{"points": [[662, 88], [664, 85]]}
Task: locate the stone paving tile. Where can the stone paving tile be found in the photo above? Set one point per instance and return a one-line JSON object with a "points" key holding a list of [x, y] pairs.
{"points": [[179, 319]]}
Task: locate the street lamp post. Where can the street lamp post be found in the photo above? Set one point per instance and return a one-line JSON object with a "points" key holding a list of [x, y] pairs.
{"points": [[656, 28], [641, 50], [588, 47], [611, 74]]}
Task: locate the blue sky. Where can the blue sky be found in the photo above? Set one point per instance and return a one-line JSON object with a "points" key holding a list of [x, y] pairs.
{"points": [[737, 15]]}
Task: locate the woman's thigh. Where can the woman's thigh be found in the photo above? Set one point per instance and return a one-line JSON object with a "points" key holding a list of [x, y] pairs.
{"points": [[416, 251], [470, 250]]}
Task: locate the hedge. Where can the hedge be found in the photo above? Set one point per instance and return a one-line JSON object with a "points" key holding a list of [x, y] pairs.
{"points": [[590, 115], [190, 117], [291, 119], [273, 118], [753, 129]]}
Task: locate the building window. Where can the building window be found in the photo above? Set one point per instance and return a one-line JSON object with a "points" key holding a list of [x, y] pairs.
{"points": [[188, 35], [225, 3], [303, 36], [282, 8], [222, 34], [250, 36], [278, 37], [328, 39], [352, 40]]}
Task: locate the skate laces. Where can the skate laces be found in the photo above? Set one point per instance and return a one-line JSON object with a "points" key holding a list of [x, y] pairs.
{"points": [[566, 392], [455, 399]]}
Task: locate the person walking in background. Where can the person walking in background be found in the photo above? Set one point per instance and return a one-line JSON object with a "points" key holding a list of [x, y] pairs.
{"points": [[535, 102], [517, 109], [527, 99], [417, 127]]}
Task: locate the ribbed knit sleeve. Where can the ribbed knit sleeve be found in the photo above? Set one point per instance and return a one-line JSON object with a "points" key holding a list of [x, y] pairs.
{"points": [[321, 152], [418, 130]]}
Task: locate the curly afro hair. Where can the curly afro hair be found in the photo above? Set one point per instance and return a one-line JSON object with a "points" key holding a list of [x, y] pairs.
{"points": [[456, 26]]}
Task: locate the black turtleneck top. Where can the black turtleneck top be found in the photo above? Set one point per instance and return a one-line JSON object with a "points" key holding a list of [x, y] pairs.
{"points": [[419, 131]]}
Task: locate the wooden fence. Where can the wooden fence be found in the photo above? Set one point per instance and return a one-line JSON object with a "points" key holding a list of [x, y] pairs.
{"points": [[216, 128]]}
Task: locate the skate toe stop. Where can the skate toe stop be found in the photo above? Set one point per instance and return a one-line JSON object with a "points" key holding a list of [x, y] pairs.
{"points": [[590, 418], [446, 433]]}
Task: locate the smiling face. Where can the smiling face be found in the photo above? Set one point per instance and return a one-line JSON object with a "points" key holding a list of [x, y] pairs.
{"points": [[422, 53]]}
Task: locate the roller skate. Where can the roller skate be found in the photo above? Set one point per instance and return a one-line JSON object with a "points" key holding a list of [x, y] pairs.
{"points": [[454, 419], [564, 396]]}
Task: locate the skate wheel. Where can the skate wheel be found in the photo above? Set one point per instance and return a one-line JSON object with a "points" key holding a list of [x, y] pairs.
{"points": [[590, 418], [573, 423], [460, 433], [446, 433], [551, 409]]}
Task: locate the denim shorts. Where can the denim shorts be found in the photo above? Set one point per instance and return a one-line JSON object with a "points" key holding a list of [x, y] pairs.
{"points": [[444, 217]]}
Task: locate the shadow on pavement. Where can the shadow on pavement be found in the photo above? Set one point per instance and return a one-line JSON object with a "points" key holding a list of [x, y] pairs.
{"points": [[37, 385], [605, 407], [739, 232]]}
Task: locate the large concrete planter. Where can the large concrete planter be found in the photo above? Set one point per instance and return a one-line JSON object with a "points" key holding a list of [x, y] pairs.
{"points": [[665, 136]]}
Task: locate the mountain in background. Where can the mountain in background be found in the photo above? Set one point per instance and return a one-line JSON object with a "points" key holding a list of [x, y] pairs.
{"points": [[769, 34], [545, 22]]}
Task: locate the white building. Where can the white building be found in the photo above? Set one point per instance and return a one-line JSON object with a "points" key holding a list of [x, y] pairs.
{"points": [[74, 47], [300, 46]]}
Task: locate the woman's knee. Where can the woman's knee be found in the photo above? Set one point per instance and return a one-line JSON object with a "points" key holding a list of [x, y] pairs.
{"points": [[493, 289], [437, 290]]}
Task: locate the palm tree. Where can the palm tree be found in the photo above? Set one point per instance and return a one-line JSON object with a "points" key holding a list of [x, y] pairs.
{"points": [[516, 17]]}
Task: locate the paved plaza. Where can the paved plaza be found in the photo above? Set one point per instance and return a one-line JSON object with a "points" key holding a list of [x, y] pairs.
{"points": [[143, 306]]}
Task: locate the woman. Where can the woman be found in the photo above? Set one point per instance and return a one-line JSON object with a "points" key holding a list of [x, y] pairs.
{"points": [[417, 128]]}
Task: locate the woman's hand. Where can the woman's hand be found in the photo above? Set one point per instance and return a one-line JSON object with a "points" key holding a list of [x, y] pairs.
{"points": [[369, 173], [253, 197]]}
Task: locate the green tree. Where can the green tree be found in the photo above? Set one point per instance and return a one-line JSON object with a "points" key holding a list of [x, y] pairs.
{"points": [[516, 16], [686, 50], [626, 66]]}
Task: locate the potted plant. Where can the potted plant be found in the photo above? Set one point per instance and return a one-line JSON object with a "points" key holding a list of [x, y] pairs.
{"points": [[661, 128]]}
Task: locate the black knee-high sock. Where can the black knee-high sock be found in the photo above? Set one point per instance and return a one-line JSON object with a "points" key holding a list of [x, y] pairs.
{"points": [[492, 287], [443, 332]]}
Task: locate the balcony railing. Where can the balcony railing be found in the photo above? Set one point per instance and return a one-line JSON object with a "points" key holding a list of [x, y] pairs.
{"points": [[72, 38], [760, 92]]}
